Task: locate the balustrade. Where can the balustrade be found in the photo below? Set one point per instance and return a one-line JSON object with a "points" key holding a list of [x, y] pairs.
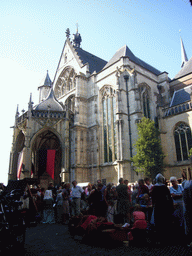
{"points": [[177, 109]]}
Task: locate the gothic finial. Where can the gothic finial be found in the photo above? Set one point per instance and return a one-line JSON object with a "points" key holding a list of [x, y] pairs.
{"points": [[77, 38], [17, 111], [30, 98], [30, 104], [67, 33]]}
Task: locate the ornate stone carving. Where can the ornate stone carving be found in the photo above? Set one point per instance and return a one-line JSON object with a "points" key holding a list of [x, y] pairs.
{"points": [[47, 122], [66, 82]]}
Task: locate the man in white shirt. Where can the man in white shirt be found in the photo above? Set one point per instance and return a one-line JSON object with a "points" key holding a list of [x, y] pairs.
{"points": [[76, 199]]}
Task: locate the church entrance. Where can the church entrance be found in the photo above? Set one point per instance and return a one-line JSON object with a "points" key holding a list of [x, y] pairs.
{"points": [[46, 159]]}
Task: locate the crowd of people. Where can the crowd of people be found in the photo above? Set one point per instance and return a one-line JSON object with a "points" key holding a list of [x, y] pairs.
{"points": [[157, 207]]}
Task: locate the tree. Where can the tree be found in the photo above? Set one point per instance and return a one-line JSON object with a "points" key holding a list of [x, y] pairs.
{"points": [[149, 155]]}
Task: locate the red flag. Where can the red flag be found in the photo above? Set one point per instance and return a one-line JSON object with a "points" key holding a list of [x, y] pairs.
{"points": [[50, 162], [19, 164]]}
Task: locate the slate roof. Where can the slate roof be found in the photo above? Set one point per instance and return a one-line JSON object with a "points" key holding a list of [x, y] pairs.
{"points": [[181, 96], [126, 52], [95, 63], [186, 69], [46, 81]]}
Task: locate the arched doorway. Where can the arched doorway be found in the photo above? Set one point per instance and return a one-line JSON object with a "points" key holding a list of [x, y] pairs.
{"points": [[46, 142]]}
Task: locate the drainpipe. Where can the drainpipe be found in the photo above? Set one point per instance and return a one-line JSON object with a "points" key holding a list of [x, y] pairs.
{"points": [[126, 77]]}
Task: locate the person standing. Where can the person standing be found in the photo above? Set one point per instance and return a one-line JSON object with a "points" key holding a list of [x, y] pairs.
{"points": [[176, 191], [66, 204], [123, 203], [76, 199], [59, 206], [162, 203], [134, 199], [148, 184], [48, 211], [110, 196], [187, 199]]}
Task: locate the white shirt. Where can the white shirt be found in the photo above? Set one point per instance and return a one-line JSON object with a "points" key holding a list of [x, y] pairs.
{"points": [[76, 192], [177, 191]]}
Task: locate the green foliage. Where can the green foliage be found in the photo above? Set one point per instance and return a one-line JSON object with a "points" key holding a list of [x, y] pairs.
{"points": [[149, 155], [190, 153]]}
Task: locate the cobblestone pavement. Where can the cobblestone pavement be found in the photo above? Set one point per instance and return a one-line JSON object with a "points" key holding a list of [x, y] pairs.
{"points": [[55, 239]]}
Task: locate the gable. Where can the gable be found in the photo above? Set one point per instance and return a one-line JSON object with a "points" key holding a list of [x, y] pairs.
{"points": [[126, 52]]}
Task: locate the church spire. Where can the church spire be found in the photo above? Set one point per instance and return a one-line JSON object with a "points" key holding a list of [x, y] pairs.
{"points": [[184, 58]]}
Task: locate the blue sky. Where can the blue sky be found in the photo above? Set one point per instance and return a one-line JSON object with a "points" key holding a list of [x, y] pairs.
{"points": [[33, 34]]}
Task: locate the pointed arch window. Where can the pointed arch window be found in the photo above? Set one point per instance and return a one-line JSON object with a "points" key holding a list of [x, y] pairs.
{"points": [[65, 82], [145, 100], [109, 128], [183, 141]]}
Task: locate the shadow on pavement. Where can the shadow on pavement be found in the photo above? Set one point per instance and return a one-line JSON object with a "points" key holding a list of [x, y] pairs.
{"points": [[55, 239]]}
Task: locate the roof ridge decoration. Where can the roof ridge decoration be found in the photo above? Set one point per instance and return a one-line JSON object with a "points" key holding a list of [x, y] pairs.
{"points": [[77, 38], [67, 32]]}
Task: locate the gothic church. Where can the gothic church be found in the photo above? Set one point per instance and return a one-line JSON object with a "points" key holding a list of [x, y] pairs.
{"points": [[85, 123]]}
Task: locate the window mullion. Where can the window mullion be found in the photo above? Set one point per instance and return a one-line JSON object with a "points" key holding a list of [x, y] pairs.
{"points": [[181, 146], [187, 146], [107, 129]]}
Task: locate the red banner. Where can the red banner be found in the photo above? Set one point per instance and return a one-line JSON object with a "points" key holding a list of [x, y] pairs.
{"points": [[50, 162]]}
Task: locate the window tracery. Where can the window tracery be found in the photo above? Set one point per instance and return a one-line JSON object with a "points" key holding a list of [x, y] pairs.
{"points": [[183, 141], [65, 82]]}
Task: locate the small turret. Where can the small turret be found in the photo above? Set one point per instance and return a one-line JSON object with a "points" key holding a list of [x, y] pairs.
{"points": [[45, 88]]}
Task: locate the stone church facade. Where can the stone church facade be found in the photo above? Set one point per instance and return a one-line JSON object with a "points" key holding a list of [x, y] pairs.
{"points": [[88, 115]]}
